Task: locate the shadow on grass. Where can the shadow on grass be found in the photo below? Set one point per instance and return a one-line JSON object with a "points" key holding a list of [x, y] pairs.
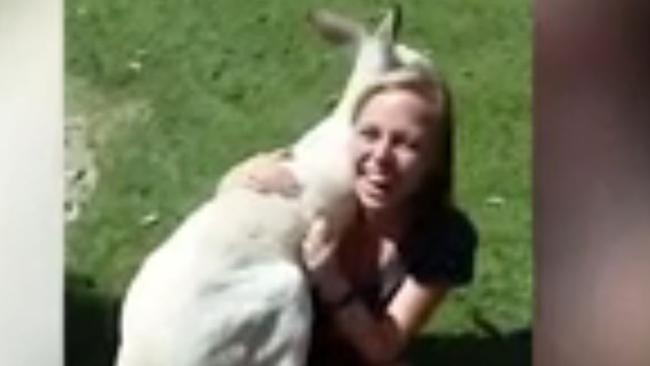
{"points": [[512, 349], [91, 322]]}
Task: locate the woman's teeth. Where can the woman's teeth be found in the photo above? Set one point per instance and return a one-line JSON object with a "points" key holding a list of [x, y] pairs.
{"points": [[380, 182]]}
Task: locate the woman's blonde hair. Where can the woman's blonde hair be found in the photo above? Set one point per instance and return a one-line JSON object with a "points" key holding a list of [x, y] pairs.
{"points": [[434, 195], [426, 84]]}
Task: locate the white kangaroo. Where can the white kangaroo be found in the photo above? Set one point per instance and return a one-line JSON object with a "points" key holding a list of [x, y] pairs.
{"points": [[227, 288]]}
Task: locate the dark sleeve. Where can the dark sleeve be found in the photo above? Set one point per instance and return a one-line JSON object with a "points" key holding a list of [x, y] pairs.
{"points": [[445, 253]]}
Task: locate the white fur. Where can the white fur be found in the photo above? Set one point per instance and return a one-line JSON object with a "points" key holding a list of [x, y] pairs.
{"points": [[227, 287]]}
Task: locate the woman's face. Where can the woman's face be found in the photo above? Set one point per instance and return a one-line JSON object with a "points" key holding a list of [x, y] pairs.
{"points": [[392, 147]]}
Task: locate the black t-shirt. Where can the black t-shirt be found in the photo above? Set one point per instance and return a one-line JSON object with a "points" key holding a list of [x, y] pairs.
{"points": [[442, 253], [433, 253]]}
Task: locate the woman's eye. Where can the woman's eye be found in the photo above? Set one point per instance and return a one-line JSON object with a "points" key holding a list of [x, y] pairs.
{"points": [[368, 133], [408, 142], [413, 145]]}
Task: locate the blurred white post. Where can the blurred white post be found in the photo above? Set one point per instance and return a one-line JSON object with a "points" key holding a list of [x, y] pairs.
{"points": [[31, 189]]}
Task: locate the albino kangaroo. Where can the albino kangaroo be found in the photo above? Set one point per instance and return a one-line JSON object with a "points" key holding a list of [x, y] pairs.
{"points": [[227, 287]]}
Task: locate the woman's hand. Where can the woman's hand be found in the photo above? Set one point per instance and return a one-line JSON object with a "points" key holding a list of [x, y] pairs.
{"points": [[319, 259], [263, 173], [318, 247]]}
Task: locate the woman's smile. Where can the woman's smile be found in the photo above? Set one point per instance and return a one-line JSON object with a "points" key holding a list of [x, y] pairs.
{"points": [[377, 181]]}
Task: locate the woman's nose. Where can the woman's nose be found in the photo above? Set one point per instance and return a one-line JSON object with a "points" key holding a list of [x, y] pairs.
{"points": [[381, 149]]}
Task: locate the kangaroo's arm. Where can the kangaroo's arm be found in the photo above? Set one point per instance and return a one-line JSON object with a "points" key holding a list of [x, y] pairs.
{"points": [[264, 172]]}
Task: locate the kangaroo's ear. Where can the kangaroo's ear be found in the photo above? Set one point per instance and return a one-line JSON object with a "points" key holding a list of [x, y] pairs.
{"points": [[390, 25], [335, 28]]}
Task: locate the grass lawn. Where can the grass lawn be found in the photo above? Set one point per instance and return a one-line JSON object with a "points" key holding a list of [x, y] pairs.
{"points": [[172, 93]]}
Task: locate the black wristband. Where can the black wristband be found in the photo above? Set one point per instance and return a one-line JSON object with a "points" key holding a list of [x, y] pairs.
{"points": [[346, 299]]}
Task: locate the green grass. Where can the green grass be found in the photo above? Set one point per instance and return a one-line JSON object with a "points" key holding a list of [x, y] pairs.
{"points": [[220, 79]]}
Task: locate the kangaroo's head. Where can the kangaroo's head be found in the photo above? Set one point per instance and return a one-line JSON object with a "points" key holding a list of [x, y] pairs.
{"points": [[376, 50]]}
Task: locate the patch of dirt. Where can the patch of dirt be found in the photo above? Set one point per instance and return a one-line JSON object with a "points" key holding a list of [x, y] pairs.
{"points": [[91, 120], [81, 173]]}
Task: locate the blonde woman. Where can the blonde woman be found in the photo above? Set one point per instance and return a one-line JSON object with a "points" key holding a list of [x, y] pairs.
{"points": [[377, 285]]}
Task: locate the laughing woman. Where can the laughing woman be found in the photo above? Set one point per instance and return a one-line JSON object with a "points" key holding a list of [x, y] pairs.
{"points": [[377, 285]]}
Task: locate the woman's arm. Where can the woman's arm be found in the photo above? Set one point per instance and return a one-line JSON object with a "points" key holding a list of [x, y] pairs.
{"points": [[414, 303], [382, 339]]}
